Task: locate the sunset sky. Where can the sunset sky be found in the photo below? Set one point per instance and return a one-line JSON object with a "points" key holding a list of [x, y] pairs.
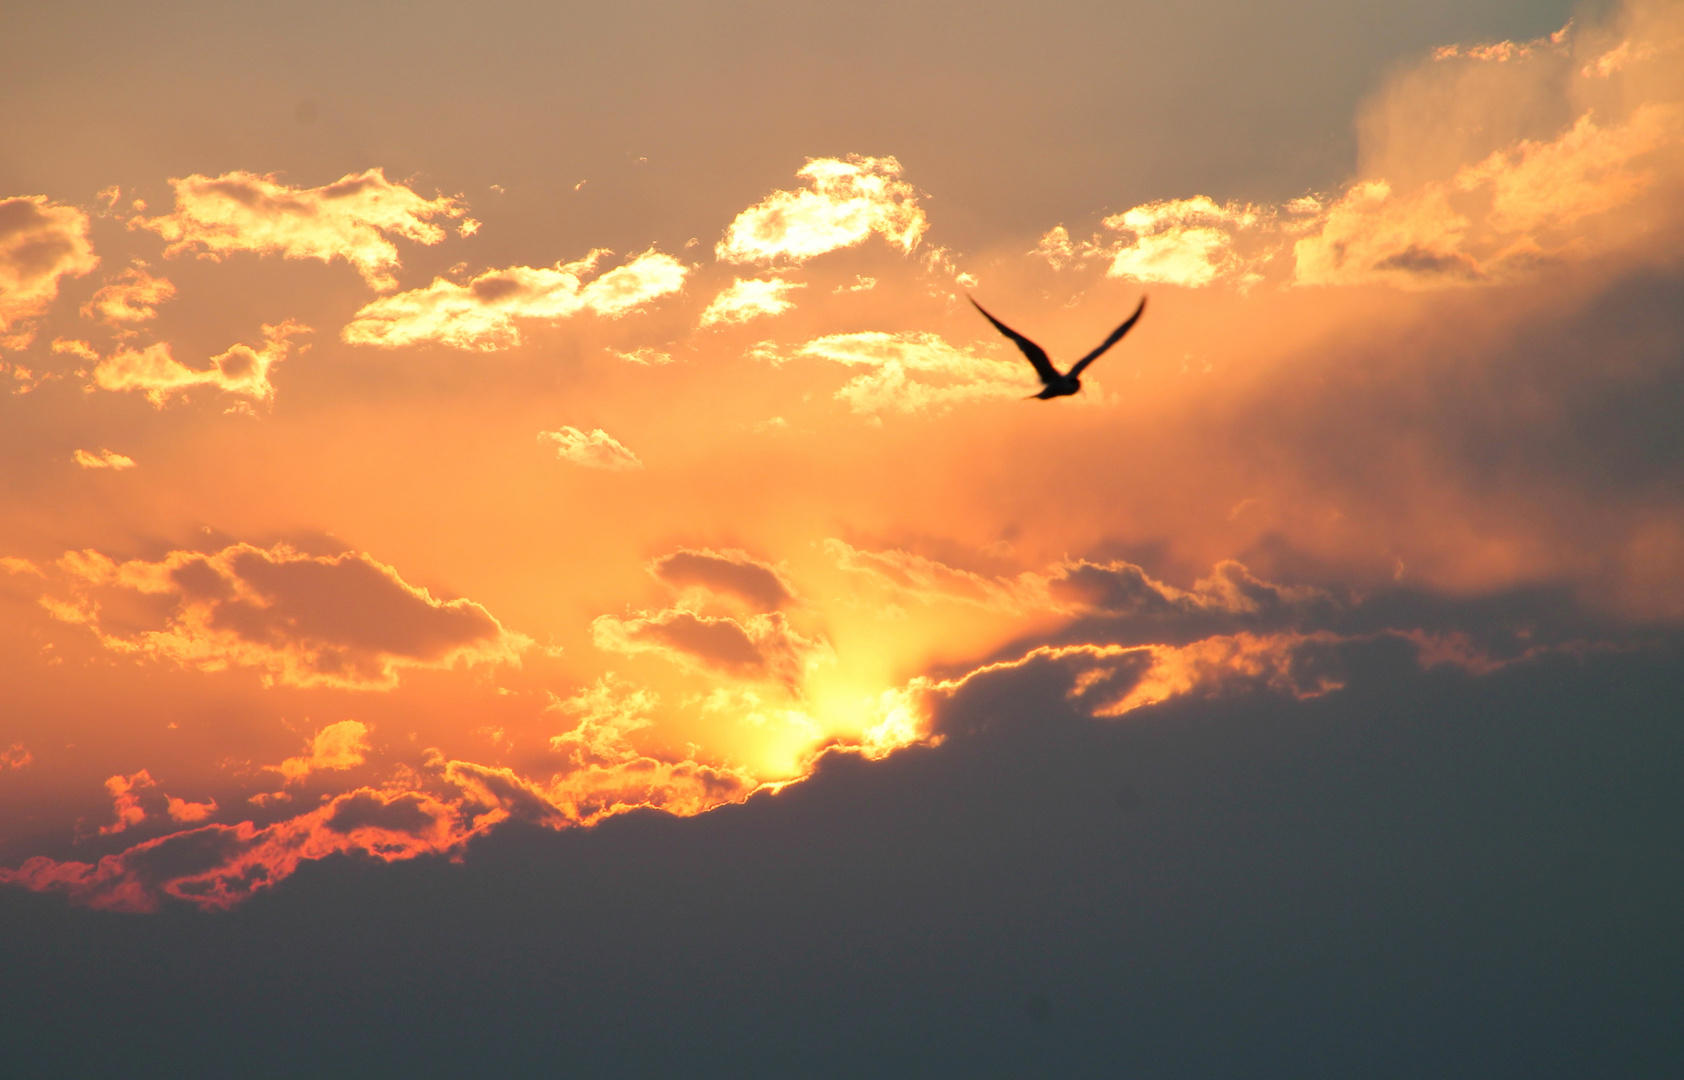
{"points": [[431, 427]]}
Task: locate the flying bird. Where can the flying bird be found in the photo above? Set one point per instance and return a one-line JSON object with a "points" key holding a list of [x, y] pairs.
{"points": [[1054, 383]]}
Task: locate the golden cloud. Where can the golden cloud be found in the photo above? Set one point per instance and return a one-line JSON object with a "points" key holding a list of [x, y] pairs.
{"points": [[913, 372], [595, 449], [1186, 242], [752, 298], [335, 747], [242, 370], [40, 243], [845, 203], [345, 621], [133, 296], [105, 459], [482, 314], [349, 219], [125, 801]]}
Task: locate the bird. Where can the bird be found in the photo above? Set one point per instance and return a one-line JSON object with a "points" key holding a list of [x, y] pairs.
{"points": [[1055, 384]]}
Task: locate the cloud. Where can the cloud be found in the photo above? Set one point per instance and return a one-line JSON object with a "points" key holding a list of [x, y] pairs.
{"points": [[731, 573], [40, 243], [927, 580], [596, 450], [125, 801], [743, 300], [242, 370], [345, 621], [189, 813], [1186, 242], [845, 203], [105, 459], [913, 372], [762, 646], [16, 756], [132, 297], [482, 314], [349, 219], [335, 747]]}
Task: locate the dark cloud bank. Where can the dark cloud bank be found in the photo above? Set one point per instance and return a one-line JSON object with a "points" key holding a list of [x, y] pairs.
{"points": [[1426, 873]]}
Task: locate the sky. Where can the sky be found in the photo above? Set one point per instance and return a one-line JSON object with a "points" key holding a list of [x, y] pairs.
{"points": [[538, 468]]}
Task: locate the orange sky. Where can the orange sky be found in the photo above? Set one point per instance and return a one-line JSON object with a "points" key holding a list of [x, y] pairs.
{"points": [[346, 513]]}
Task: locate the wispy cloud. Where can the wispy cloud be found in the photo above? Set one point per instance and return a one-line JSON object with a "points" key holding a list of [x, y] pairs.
{"points": [[751, 298], [483, 313], [105, 459], [350, 219], [913, 372], [132, 296], [595, 449], [242, 370]]}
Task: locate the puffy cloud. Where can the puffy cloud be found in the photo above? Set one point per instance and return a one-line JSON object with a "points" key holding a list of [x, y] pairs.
{"points": [[482, 314], [844, 204], [125, 801], [242, 370], [760, 646], [189, 813], [733, 573], [1187, 242], [132, 297], [347, 620], [349, 219], [916, 372], [105, 459], [40, 243], [743, 300], [335, 747], [596, 449]]}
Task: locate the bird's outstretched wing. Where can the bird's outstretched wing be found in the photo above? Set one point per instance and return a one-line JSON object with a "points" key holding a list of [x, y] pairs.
{"points": [[1036, 354], [1116, 336]]}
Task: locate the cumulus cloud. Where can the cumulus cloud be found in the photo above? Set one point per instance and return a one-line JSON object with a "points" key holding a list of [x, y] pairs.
{"points": [[346, 621], [914, 371], [845, 203], [41, 242], [351, 219], [335, 747], [105, 459], [133, 296], [732, 573], [242, 370], [752, 298], [760, 646], [483, 313], [595, 449]]}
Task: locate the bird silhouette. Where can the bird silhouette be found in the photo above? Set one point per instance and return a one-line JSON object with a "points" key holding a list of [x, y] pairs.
{"points": [[1054, 383]]}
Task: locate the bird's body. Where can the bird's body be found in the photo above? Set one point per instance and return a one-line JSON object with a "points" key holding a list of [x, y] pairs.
{"points": [[1055, 383]]}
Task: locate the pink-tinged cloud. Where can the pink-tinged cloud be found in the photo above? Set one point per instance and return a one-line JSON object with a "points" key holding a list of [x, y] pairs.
{"points": [[484, 314], [335, 747], [16, 756], [125, 801], [751, 298], [845, 203], [350, 219], [131, 297], [347, 621], [41, 243], [594, 449], [242, 370], [730, 573], [762, 646], [913, 372]]}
